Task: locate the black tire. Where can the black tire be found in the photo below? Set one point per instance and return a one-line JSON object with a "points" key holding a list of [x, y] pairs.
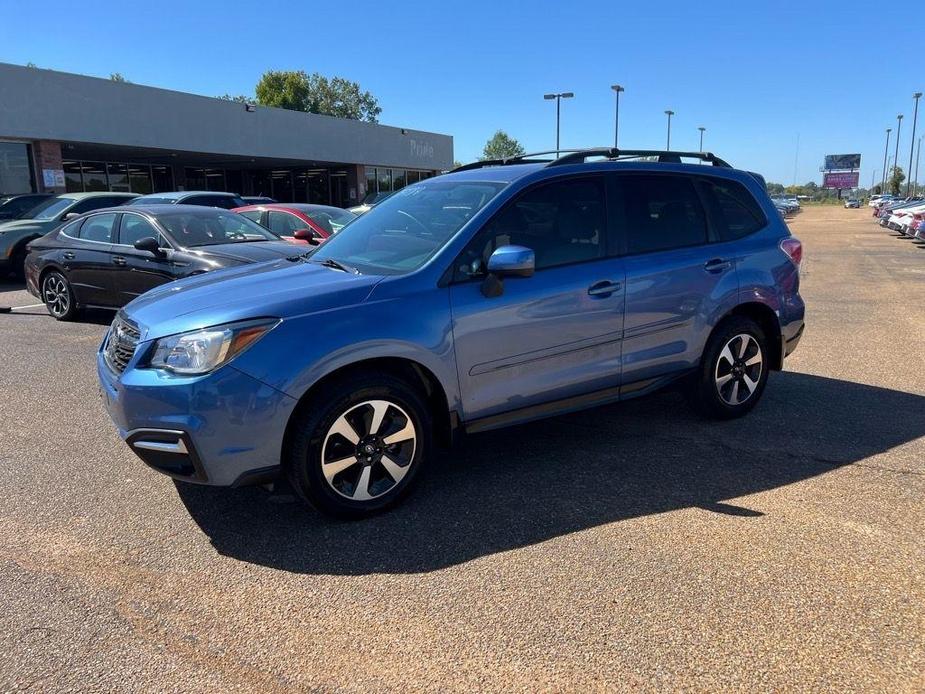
{"points": [[310, 437], [726, 400], [58, 296]]}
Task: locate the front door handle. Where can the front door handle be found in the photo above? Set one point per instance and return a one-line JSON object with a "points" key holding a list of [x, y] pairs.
{"points": [[68, 255], [717, 265], [118, 260], [605, 288]]}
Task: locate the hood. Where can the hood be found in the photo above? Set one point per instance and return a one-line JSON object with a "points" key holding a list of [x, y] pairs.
{"points": [[238, 253], [30, 225], [280, 289]]}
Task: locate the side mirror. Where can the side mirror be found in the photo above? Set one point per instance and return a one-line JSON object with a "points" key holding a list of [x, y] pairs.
{"points": [[512, 261], [149, 244], [304, 235], [507, 261], [69, 216]]}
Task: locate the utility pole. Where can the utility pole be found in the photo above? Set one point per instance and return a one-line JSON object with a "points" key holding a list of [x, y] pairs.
{"points": [[701, 129], [669, 113], [886, 148], [899, 124]]}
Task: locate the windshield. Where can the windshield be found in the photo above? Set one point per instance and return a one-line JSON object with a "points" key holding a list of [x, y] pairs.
{"points": [[192, 229], [331, 220], [401, 233], [49, 209]]}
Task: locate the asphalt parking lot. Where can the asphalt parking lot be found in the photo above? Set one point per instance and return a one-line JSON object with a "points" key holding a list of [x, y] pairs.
{"points": [[634, 546]]}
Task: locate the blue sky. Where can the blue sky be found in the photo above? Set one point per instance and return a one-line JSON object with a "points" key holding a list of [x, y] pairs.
{"points": [[754, 76]]}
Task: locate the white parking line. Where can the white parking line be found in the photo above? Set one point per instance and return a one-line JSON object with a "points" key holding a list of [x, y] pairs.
{"points": [[17, 308]]}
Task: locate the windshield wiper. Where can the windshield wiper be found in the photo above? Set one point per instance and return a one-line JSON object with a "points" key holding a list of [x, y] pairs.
{"points": [[337, 265]]}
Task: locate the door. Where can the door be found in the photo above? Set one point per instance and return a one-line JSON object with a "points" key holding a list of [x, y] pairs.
{"points": [[547, 337], [678, 276], [87, 259], [133, 271]]}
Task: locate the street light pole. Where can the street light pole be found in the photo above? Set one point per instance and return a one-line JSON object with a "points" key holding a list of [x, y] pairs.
{"points": [[701, 129], [915, 117], [558, 97], [616, 114], [669, 113], [886, 148], [899, 124]]}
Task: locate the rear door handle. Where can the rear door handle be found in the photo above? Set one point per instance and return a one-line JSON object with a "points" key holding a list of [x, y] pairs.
{"points": [[717, 265], [605, 288], [118, 260], [68, 255]]}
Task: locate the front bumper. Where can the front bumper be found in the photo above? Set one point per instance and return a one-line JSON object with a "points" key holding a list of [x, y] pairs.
{"points": [[224, 428]]}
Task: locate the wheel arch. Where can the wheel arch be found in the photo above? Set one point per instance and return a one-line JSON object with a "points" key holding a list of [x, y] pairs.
{"points": [[767, 320], [412, 372]]}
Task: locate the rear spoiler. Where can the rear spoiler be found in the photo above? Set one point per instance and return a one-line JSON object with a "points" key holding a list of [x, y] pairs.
{"points": [[758, 177]]}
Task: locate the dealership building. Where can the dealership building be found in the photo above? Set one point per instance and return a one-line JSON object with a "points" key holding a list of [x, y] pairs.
{"points": [[61, 132]]}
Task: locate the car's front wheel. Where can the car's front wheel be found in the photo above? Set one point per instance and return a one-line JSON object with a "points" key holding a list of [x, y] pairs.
{"points": [[358, 446], [58, 296], [733, 371]]}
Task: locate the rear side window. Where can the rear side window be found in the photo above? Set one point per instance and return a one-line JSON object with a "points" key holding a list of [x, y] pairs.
{"points": [[736, 212], [98, 228], [227, 202], [253, 215], [662, 212]]}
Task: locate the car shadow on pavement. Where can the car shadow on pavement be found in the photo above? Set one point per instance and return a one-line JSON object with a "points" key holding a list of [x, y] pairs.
{"points": [[511, 488]]}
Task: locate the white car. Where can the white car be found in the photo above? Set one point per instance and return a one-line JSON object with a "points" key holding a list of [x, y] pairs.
{"points": [[902, 218], [877, 200]]}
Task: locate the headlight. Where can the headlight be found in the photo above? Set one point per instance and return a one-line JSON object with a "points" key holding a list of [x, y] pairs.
{"points": [[201, 351]]}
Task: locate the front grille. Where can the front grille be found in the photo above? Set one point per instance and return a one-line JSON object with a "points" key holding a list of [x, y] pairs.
{"points": [[121, 343]]}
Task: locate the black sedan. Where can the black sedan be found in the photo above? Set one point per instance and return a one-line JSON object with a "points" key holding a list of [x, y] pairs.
{"points": [[108, 257]]}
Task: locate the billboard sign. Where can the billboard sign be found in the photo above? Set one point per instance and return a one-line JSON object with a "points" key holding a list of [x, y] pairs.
{"points": [[842, 161], [841, 180]]}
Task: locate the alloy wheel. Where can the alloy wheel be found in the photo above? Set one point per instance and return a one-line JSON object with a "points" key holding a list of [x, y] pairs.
{"points": [[56, 295], [738, 369], [368, 450]]}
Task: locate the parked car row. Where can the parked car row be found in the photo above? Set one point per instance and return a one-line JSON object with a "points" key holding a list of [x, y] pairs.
{"points": [[786, 204], [905, 215]]}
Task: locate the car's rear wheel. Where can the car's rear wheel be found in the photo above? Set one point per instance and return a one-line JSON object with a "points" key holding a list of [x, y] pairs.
{"points": [[733, 371], [358, 446], [58, 296]]}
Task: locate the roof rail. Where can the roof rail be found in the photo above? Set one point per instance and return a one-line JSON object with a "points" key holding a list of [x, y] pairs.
{"points": [[579, 156], [663, 156]]}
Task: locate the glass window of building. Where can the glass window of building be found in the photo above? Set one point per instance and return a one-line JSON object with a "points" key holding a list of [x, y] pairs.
{"points": [[371, 180], [94, 175], [161, 179], [15, 168], [73, 179], [195, 179], [282, 185], [259, 183], [385, 180], [318, 191], [139, 179], [413, 177], [215, 179], [233, 181], [118, 178], [398, 179]]}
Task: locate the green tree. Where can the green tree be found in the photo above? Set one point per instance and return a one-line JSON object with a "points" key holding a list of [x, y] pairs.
{"points": [[31, 64], [299, 91], [117, 77], [502, 146], [896, 180], [240, 98], [775, 188]]}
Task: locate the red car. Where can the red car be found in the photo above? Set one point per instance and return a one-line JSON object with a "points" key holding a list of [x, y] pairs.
{"points": [[298, 222]]}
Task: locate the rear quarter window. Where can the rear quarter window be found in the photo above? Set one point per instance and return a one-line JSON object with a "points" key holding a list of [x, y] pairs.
{"points": [[736, 212]]}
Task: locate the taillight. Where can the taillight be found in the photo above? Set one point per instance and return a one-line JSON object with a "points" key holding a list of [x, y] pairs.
{"points": [[793, 248]]}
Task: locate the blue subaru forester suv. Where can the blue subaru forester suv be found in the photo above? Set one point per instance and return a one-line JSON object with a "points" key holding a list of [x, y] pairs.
{"points": [[501, 292]]}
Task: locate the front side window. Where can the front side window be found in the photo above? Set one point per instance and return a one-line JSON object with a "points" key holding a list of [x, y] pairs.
{"points": [[253, 215], [98, 228], [562, 222], [205, 229], [662, 212], [134, 228], [285, 224], [404, 231], [99, 203]]}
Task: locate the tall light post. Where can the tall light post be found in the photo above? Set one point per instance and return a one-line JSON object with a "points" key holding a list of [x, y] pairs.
{"points": [[616, 114], [886, 148], [918, 155], [701, 129], [669, 113], [899, 124], [915, 117], [558, 97]]}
